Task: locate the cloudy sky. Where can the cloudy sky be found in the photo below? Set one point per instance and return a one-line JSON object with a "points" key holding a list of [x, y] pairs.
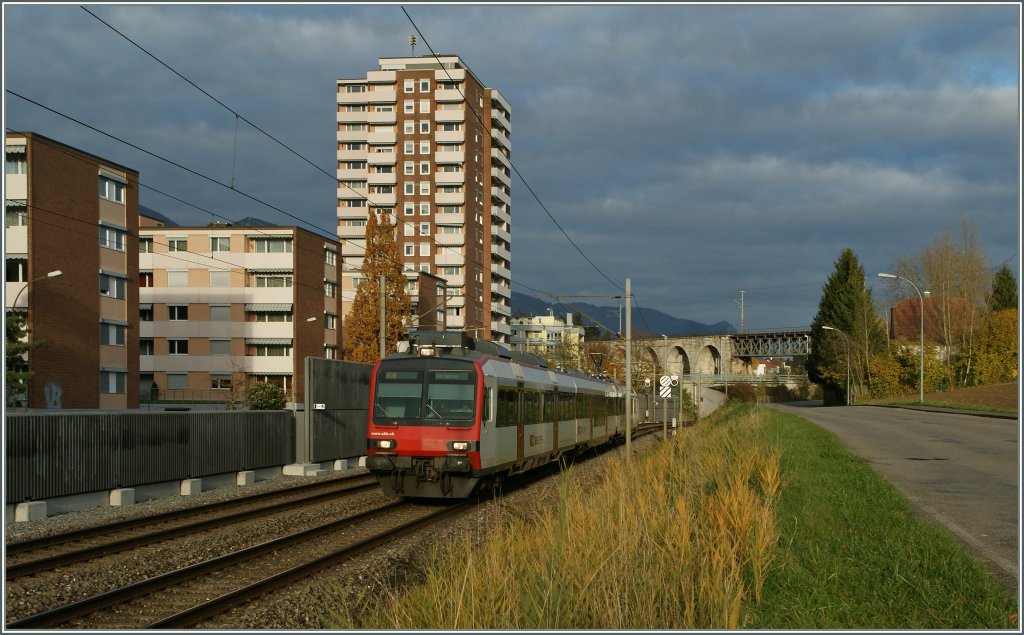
{"points": [[698, 150]]}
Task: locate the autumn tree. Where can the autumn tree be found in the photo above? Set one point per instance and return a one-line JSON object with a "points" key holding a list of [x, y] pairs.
{"points": [[846, 306], [16, 369], [997, 351], [362, 327], [1004, 290]]}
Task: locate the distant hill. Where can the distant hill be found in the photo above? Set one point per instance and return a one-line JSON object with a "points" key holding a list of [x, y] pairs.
{"points": [[653, 321], [152, 213]]}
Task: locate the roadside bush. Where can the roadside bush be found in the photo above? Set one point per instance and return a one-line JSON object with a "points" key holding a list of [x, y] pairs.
{"points": [[266, 396]]}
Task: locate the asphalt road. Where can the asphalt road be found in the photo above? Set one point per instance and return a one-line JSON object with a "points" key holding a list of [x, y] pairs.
{"points": [[960, 471]]}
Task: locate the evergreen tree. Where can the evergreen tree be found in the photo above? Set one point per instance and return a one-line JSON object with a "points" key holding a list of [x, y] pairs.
{"points": [[1004, 291], [15, 367], [362, 326], [846, 306]]}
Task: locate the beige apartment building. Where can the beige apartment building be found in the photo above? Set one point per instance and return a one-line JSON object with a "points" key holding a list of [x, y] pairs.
{"points": [[550, 337], [77, 292], [423, 141], [224, 303]]}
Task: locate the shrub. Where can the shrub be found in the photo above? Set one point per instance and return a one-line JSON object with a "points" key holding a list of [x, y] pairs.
{"points": [[266, 396]]}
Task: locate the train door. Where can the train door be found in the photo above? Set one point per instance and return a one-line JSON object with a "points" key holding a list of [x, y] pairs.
{"points": [[520, 425], [552, 409]]}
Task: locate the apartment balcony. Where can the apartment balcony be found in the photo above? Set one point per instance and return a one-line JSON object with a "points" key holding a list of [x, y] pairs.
{"points": [[351, 98], [498, 155], [351, 175], [449, 178], [498, 97], [449, 157], [382, 200], [449, 116], [275, 295], [381, 138], [448, 96], [16, 239], [448, 259], [450, 240], [12, 289], [374, 178], [500, 118], [455, 281], [275, 330], [501, 252], [380, 95], [348, 231], [498, 232], [382, 77], [501, 213], [375, 117], [275, 365], [352, 135], [457, 198], [351, 155], [456, 301], [498, 193], [450, 75], [501, 309], [381, 158], [503, 290], [450, 219], [501, 177], [352, 117], [501, 271], [455, 136], [501, 138]]}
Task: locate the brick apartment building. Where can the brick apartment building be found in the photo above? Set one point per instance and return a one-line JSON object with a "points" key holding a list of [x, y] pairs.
{"points": [[57, 200], [422, 140], [220, 303]]}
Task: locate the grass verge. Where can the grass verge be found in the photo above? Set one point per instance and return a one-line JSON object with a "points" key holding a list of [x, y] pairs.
{"points": [[753, 519], [948, 404]]}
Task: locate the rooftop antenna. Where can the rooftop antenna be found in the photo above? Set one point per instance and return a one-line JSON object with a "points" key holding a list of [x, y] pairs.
{"points": [[412, 43]]}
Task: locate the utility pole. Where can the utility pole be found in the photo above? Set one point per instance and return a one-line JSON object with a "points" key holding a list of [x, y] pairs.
{"points": [[629, 372], [741, 309]]}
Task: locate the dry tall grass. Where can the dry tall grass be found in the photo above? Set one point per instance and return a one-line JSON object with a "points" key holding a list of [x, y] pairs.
{"points": [[683, 538]]}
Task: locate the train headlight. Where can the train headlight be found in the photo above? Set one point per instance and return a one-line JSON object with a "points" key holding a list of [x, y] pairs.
{"points": [[386, 444], [461, 446]]}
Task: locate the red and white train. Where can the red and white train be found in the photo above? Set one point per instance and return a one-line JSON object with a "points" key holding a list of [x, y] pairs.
{"points": [[452, 414]]}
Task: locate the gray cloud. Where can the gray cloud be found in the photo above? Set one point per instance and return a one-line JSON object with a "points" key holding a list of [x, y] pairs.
{"points": [[697, 149]]}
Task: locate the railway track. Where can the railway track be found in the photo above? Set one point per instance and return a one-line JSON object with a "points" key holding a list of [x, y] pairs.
{"points": [[189, 596], [61, 550]]}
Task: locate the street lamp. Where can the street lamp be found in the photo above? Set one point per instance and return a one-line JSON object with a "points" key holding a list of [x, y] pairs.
{"points": [[664, 406], [921, 383], [52, 274], [847, 341]]}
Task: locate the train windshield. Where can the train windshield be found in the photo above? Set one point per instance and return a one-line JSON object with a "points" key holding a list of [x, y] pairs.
{"points": [[425, 397]]}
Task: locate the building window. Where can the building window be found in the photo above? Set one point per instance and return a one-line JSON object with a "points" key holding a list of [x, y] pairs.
{"points": [[177, 278], [112, 334], [220, 243], [410, 167], [17, 270], [220, 313], [272, 316], [355, 88], [355, 108], [451, 271], [331, 321], [330, 257], [424, 106], [331, 352], [424, 85], [408, 229], [409, 147], [424, 126], [112, 382], [424, 229], [146, 313], [278, 245], [451, 229], [220, 278], [357, 281], [451, 127], [177, 244], [111, 190], [272, 281], [353, 165], [424, 209], [450, 209], [424, 249], [425, 167], [410, 208], [410, 250], [356, 222], [220, 347], [145, 245], [409, 127], [177, 312], [424, 149], [330, 289], [112, 238], [409, 106], [410, 188], [112, 286], [177, 347], [220, 381], [177, 381], [146, 346], [16, 163], [355, 146], [145, 279], [272, 350], [352, 202], [408, 85], [17, 216]]}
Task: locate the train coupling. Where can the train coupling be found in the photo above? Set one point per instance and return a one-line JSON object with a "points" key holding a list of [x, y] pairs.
{"points": [[429, 468]]}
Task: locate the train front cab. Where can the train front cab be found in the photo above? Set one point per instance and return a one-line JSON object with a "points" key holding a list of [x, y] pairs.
{"points": [[424, 426]]}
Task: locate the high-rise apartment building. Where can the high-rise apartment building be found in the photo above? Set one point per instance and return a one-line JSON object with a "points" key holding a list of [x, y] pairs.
{"points": [[76, 292], [424, 143], [222, 304]]}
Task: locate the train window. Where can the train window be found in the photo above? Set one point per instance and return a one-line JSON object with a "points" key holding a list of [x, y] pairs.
{"points": [[399, 396], [506, 407], [450, 395], [549, 405]]}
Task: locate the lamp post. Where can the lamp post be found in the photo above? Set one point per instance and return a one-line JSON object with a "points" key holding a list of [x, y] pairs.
{"points": [[921, 382], [52, 274], [847, 341], [664, 406]]}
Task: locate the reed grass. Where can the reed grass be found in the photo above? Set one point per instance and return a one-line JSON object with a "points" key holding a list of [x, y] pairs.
{"points": [[681, 538]]}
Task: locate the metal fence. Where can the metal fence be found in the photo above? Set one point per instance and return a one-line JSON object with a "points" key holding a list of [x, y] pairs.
{"points": [[62, 454], [337, 405]]}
